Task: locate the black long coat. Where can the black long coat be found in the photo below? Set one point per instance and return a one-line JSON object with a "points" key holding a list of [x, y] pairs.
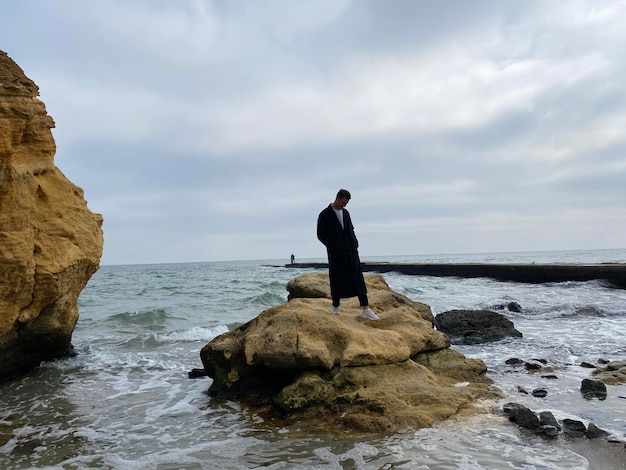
{"points": [[344, 265]]}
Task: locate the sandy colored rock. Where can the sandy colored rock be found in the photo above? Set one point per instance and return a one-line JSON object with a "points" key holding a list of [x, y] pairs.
{"points": [[50, 242], [316, 285], [388, 375], [613, 373]]}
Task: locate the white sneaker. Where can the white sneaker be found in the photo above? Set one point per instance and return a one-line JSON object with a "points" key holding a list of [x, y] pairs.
{"points": [[368, 314], [336, 310]]}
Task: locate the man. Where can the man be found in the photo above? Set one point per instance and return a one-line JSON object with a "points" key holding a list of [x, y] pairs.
{"points": [[336, 232]]}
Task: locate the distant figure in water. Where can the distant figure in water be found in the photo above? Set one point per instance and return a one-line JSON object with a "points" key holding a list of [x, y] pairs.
{"points": [[336, 232], [293, 258]]}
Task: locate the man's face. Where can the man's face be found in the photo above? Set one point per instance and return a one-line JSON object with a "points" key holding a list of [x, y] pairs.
{"points": [[342, 202]]}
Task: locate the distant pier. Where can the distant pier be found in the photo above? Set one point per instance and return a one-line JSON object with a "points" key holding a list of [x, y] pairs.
{"points": [[535, 273]]}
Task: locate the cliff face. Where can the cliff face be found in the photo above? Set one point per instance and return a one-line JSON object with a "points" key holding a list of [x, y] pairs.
{"points": [[50, 242]]}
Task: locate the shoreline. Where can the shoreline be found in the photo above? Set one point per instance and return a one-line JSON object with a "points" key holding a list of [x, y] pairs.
{"points": [[534, 273]]}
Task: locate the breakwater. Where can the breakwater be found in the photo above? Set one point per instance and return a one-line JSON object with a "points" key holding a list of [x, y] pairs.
{"points": [[615, 273]]}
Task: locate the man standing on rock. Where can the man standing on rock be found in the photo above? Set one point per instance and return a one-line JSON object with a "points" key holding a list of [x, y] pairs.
{"points": [[336, 232]]}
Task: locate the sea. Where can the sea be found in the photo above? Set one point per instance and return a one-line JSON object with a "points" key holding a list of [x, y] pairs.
{"points": [[125, 401]]}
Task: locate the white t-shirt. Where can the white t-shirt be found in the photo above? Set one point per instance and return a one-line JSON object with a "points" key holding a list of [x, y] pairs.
{"points": [[339, 216]]}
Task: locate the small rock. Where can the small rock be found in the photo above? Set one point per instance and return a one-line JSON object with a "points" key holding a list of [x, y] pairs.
{"points": [[573, 428], [587, 365], [594, 432], [544, 425], [4, 438], [550, 376], [532, 366], [593, 389], [511, 408], [522, 390], [511, 307], [514, 307], [475, 326], [514, 361], [525, 418], [549, 431], [197, 373], [546, 418], [603, 361], [540, 392]]}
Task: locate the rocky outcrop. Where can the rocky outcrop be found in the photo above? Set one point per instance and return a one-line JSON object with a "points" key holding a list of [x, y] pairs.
{"points": [[316, 285], [475, 326], [50, 242], [298, 359], [613, 374]]}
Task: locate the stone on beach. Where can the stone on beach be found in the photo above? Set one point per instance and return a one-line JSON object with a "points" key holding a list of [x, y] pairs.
{"points": [[50, 242], [300, 360], [316, 285], [475, 326]]}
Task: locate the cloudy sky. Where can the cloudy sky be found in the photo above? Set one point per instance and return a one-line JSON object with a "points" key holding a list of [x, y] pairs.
{"points": [[218, 130]]}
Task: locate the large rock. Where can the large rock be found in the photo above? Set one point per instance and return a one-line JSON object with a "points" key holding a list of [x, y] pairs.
{"points": [[301, 360], [475, 326], [50, 242], [316, 285]]}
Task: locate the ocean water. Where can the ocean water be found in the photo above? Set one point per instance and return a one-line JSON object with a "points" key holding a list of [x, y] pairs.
{"points": [[125, 401]]}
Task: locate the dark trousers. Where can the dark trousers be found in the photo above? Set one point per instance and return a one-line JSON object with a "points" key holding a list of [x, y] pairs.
{"points": [[362, 300]]}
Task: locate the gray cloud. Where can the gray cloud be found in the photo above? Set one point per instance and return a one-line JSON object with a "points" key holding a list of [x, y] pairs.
{"points": [[207, 130]]}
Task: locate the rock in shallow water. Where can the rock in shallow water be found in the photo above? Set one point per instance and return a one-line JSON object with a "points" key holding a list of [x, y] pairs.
{"points": [[396, 373], [593, 389], [475, 326]]}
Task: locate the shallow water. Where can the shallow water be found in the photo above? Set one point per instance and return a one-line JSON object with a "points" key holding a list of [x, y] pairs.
{"points": [[125, 402]]}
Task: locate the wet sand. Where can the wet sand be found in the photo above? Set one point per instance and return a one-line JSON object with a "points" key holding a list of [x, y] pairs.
{"points": [[600, 454]]}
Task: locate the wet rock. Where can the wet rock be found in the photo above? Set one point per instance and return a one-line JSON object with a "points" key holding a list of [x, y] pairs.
{"points": [[546, 418], [4, 438], [593, 389], [511, 307], [525, 418], [540, 393], [587, 365], [533, 366], [613, 374], [549, 431], [593, 432], [522, 390], [549, 377], [475, 326], [573, 428], [299, 361], [510, 409], [514, 361], [546, 425], [197, 373]]}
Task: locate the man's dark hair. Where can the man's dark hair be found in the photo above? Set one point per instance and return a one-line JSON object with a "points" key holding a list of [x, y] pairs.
{"points": [[344, 193]]}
